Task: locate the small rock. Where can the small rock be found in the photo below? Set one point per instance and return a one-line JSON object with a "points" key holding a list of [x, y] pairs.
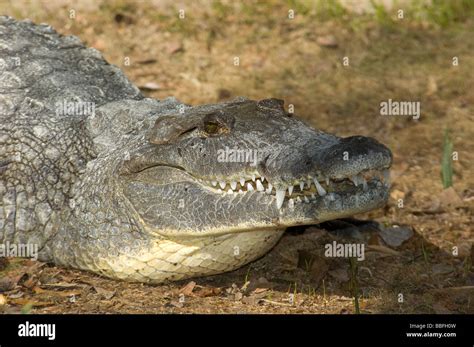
{"points": [[6, 284], [395, 235]]}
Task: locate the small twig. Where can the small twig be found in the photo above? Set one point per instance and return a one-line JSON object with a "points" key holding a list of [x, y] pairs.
{"points": [[276, 303]]}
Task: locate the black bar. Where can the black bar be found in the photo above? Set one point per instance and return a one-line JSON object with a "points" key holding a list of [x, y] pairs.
{"points": [[378, 330]]}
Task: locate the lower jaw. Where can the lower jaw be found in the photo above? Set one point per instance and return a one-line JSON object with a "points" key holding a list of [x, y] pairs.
{"points": [[332, 206]]}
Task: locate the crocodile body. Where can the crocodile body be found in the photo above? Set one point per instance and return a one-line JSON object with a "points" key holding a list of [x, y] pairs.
{"points": [[103, 179]]}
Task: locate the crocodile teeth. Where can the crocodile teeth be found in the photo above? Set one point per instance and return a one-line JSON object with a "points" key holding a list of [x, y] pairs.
{"points": [[250, 187], [233, 185], [262, 178], [269, 189], [306, 199], [355, 180], [253, 178], [319, 188], [219, 191], [230, 191], [222, 184], [260, 186], [241, 191], [280, 196], [313, 196], [291, 203], [214, 183], [242, 182], [301, 185], [290, 190], [327, 181], [364, 184]]}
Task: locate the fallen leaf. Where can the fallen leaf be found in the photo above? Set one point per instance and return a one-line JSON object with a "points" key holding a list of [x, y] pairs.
{"points": [[30, 282], [26, 301], [207, 291], [61, 293], [261, 283], [16, 295], [63, 285], [188, 288], [260, 290], [106, 294]]}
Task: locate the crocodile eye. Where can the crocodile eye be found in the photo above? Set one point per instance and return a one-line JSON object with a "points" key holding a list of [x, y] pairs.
{"points": [[212, 128]]}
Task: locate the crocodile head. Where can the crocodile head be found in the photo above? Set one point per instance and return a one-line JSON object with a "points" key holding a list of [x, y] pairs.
{"points": [[247, 165], [177, 192]]}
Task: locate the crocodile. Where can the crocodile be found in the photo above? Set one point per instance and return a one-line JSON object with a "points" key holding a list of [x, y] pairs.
{"points": [[101, 178]]}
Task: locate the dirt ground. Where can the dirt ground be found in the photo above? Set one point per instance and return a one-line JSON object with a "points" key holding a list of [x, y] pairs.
{"points": [[301, 60]]}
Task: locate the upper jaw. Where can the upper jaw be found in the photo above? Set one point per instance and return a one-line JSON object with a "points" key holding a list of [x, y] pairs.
{"points": [[306, 189]]}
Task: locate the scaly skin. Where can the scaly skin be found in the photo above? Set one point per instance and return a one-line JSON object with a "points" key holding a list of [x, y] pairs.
{"points": [[133, 190]]}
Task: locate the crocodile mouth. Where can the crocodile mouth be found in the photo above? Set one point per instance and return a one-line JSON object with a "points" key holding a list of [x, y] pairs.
{"points": [[303, 190]]}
